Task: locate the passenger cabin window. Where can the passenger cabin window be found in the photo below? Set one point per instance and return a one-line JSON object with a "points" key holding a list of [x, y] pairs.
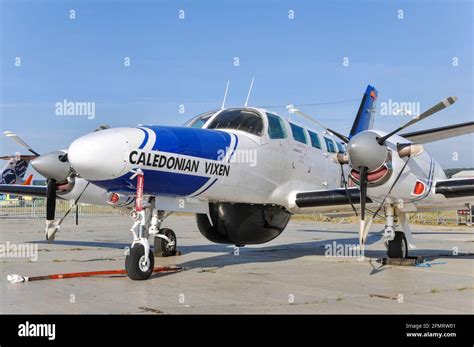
{"points": [[276, 128], [330, 145], [199, 121], [298, 133], [340, 147], [238, 119], [314, 139]]}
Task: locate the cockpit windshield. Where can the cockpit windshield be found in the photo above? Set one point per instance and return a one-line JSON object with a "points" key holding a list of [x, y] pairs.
{"points": [[239, 119], [200, 120]]}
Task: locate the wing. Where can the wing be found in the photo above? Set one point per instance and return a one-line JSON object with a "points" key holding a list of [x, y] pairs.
{"points": [[18, 189], [436, 134], [456, 188], [458, 191], [329, 200]]}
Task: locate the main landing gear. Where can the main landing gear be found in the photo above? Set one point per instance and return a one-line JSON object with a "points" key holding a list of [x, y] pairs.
{"points": [[140, 260], [395, 236]]}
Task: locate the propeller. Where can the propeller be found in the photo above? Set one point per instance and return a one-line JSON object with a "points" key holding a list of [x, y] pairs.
{"points": [[52, 227], [363, 200], [367, 152], [54, 165], [436, 108], [20, 141], [50, 199], [57, 170]]}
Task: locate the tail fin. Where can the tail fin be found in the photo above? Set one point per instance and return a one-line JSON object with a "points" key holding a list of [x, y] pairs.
{"points": [[28, 180], [365, 115], [15, 169]]}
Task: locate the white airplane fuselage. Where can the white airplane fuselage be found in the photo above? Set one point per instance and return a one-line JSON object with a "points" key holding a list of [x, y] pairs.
{"points": [[231, 165]]}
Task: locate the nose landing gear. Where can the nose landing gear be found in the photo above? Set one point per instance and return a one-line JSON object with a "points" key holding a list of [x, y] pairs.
{"points": [[137, 264], [140, 261]]}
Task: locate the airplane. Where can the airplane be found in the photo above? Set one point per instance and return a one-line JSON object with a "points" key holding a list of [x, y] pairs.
{"points": [[15, 169], [244, 171]]}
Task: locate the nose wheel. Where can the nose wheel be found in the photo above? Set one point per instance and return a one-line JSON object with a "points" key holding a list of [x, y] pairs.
{"points": [[138, 265]]}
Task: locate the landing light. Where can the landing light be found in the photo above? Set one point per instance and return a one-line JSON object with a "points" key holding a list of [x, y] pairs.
{"points": [[419, 188], [114, 198]]}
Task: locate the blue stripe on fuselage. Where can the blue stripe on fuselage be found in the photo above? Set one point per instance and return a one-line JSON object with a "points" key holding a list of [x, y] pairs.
{"points": [[200, 143], [145, 140], [156, 183]]}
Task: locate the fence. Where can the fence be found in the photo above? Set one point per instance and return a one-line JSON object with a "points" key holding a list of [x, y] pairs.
{"points": [[429, 218], [37, 209]]}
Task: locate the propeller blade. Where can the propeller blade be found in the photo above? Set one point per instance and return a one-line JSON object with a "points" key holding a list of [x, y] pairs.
{"points": [[363, 200], [19, 140], [436, 108], [51, 200], [292, 109], [77, 214]]}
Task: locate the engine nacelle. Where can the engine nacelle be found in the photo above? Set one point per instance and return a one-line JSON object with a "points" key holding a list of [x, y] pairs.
{"points": [[91, 195], [242, 224]]}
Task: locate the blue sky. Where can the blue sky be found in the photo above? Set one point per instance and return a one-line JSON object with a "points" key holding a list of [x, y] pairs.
{"points": [[189, 61]]}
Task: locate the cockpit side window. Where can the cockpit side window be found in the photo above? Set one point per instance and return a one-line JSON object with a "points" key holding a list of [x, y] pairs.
{"points": [[276, 129], [199, 121], [238, 119]]}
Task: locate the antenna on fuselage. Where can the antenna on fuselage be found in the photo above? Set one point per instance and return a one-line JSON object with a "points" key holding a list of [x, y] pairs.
{"points": [[225, 95], [293, 110], [250, 90]]}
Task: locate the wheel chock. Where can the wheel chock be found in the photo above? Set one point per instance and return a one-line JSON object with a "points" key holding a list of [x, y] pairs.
{"points": [[409, 261], [160, 254]]}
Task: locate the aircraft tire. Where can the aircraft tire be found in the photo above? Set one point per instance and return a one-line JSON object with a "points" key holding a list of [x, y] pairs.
{"points": [[134, 263], [398, 247], [162, 248]]}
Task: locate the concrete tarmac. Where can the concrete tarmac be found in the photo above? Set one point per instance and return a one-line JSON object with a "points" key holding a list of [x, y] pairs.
{"points": [[291, 274]]}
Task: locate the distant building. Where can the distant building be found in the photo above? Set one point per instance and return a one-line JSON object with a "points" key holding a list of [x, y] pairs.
{"points": [[464, 174]]}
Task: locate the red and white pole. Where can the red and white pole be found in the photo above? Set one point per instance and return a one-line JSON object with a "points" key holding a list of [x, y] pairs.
{"points": [[140, 184]]}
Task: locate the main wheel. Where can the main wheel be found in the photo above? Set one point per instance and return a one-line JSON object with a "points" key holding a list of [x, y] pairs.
{"points": [[162, 247], [398, 247], [137, 266]]}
